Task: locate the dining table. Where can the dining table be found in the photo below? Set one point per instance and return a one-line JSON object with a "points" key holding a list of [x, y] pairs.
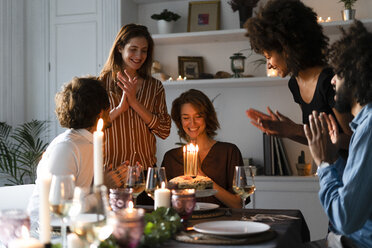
{"points": [[287, 229]]}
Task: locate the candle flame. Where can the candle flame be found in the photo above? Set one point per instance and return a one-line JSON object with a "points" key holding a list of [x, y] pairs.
{"points": [[163, 185], [100, 124], [24, 232], [130, 205]]}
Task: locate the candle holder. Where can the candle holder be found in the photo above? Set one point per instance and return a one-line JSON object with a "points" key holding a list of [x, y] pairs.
{"points": [[129, 226], [183, 201], [237, 64], [119, 198], [11, 222]]}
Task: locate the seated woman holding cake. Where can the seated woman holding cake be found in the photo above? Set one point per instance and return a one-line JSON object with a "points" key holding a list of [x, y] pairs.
{"points": [[197, 122]]}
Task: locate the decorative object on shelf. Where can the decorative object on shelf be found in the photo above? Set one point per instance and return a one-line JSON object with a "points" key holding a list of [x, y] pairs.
{"points": [[321, 20], [203, 16], [237, 64], [222, 74], [157, 72], [245, 8], [348, 13], [166, 20], [303, 169], [190, 67]]}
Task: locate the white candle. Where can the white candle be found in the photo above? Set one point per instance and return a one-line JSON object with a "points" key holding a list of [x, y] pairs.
{"points": [[25, 241], [162, 197], [98, 154], [179, 78], [73, 241], [44, 211]]}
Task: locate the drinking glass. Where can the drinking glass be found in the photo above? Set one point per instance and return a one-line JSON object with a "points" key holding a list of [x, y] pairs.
{"points": [[90, 215], [11, 222], [155, 178], [119, 198], [243, 184], [183, 201], [135, 180], [60, 200]]}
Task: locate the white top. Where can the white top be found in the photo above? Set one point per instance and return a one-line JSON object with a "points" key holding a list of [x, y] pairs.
{"points": [[71, 152]]}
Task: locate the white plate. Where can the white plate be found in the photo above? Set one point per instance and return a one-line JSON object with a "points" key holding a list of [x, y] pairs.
{"points": [[205, 192], [231, 228], [203, 206]]}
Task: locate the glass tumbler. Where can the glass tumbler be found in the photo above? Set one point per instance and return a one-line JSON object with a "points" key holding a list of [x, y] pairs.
{"points": [[11, 222], [183, 201]]}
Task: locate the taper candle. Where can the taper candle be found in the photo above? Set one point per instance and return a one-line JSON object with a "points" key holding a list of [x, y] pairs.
{"points": [[44, 210], [98, 154]]}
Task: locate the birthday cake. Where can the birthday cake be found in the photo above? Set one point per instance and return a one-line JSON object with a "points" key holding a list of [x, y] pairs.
{"points": [[187, 182]]}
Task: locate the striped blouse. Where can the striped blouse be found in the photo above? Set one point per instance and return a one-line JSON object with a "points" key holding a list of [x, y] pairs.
{"points": [[129, 138]]}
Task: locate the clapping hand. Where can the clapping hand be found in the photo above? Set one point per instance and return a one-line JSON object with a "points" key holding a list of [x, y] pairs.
{"points": [[129, 86], [272, 124], [322, 136]]}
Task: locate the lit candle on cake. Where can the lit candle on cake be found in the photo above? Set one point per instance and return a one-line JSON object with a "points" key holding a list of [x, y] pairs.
{"points": [[98, 154], [190, 160], [162, 197]]}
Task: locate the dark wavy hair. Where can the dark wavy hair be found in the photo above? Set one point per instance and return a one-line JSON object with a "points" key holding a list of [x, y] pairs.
{"points": [[291, 28], [80, 101], [351, 59], [115, 62], [200, 102]]}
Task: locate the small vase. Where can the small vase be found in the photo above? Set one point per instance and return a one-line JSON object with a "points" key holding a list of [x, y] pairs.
{"points": [[165, 27], [348, 14], [244, 14]]}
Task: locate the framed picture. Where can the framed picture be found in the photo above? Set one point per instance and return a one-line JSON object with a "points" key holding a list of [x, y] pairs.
{"points": [[203, 16], [190, 67]]}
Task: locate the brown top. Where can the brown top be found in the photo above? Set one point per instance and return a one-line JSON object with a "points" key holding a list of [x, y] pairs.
{"points": [[219, 165], [129, 138]]}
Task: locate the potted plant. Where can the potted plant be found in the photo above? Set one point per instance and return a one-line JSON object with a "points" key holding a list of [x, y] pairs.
{"points": [[166, 21], [245, 8], [20, 151], [348, 13]]}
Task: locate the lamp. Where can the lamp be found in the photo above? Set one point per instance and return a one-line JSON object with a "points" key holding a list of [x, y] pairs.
{"points": [[237, 64]]}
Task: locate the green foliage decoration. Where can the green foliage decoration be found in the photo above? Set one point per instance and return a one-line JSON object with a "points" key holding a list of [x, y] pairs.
{"points": [[21, 150], [166, 16]]}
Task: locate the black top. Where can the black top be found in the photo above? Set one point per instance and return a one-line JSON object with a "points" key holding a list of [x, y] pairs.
{"points": [[323, 98]]}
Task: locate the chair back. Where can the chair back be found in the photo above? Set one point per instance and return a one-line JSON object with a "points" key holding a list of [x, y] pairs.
{"points": [[16, 196]]}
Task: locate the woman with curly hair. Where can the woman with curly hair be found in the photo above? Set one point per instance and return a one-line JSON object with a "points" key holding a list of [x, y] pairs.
{"points": [[286, 32], [196, 120]]}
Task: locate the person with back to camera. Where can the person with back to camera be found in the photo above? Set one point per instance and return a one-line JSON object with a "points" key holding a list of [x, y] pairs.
{"points": [[286, 32], [79, 105], [196, 120], [137, 103], [346, 186]]}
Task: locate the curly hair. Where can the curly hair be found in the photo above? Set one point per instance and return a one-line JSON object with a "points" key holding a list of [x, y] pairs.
{"points": [[351, 59], [200, 102], [80, 101], [291, 28], [115, 62]]}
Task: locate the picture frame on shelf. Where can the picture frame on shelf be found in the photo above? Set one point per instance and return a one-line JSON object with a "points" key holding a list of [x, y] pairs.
{"points": [[190, 67], [204, 16]]}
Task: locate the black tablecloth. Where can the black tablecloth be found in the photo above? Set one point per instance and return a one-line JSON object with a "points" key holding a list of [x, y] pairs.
{"points": [[290, 232]]}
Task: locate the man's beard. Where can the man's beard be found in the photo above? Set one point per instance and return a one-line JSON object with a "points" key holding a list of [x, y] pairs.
{"points": [[343, 99]]}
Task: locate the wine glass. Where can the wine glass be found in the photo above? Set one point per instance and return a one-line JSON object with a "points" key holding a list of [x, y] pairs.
{"points": [[60, 199], [135, 180], [90, 215], [243, 184], [155, 178]]}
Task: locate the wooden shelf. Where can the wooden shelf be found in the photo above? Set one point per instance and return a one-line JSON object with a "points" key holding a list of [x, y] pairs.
{"points": [[330, 28], [227, 83]]}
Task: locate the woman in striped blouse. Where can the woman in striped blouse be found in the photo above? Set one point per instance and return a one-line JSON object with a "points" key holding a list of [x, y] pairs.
{"points": [[137, 103]]}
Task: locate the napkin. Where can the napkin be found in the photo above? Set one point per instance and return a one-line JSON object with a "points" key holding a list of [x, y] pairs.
{"points": [[269, 217]]}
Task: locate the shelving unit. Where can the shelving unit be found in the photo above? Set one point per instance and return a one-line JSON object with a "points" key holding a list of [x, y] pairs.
{"points": [[330, 28], [227, 83]]}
